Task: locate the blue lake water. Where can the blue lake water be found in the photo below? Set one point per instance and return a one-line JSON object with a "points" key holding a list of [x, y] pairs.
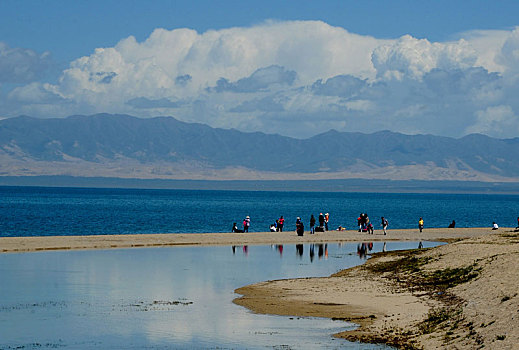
{"points": [[178, 297], [39, 211]]}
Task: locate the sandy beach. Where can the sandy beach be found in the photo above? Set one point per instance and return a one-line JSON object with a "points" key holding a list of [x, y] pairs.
{"points": [[30, 244], [462, 295]]}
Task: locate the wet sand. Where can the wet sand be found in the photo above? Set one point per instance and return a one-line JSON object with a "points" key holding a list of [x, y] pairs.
{"points": [[28, 244]]}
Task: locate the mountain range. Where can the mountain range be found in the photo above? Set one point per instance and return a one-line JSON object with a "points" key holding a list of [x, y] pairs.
{"points": [[123, 146]]}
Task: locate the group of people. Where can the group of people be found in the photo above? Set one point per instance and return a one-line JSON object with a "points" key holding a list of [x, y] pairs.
{"points": [[246, 225], [278, 225], [363, 223]]}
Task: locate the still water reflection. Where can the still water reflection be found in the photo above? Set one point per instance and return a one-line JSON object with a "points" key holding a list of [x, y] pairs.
{"points": [[164, 297]]}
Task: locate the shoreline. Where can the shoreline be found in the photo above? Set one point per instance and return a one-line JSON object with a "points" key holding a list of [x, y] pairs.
{"points": [[461, 295], [48, 243]]}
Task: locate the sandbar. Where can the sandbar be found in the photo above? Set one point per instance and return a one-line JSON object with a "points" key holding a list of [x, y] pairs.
{"points": [[31, 244]]}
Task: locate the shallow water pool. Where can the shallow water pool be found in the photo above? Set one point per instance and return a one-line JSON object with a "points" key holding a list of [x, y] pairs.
{"points": [[179, 297]]}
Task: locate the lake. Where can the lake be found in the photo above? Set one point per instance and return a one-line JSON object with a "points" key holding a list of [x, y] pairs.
{"points": [[46, 211]]}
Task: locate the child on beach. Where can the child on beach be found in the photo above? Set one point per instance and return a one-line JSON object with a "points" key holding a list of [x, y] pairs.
{"points": [[420, 224], [384, 224]]}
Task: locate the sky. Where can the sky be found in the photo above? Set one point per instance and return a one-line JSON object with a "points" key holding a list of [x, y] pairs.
{"points": [[295, 68]]}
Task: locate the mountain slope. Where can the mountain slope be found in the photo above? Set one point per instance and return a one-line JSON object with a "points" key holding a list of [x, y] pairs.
{"points": [[126, 146]]}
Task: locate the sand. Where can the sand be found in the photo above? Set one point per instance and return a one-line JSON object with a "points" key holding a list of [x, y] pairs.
{"points": [[412, 309], [463, 295], [28, 244]]}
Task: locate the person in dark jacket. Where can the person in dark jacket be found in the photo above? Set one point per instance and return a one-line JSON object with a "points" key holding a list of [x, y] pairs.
{"points": [[312, 224]]}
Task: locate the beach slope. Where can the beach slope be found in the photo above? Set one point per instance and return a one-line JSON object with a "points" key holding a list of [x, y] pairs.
{"points": [[462, 295]]}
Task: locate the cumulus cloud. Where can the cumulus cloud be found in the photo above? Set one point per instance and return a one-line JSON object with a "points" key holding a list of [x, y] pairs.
{"points": [[260, 80], [509, 54], [35, 93], [20, 66], [341, 85], [411, 57], [496, 121], [297, 77]]}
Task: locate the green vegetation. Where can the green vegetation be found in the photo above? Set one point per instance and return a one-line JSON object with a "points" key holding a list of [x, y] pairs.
{"points": [[436, 317], [409, 263], [448, 278]]}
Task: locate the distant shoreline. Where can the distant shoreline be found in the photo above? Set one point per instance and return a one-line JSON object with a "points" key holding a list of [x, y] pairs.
{"points": [[49, 243], [329, 185]]}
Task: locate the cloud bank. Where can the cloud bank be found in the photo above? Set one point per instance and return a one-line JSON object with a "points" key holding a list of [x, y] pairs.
{"points": [[19, 65], [296, 78]]}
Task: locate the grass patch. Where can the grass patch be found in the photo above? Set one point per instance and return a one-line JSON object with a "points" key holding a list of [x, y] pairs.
{"points": [[436, 317], [409, 263], [448, 278]]}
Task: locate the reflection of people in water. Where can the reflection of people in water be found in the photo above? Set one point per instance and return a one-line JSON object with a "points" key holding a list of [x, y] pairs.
{"points": [[420, 245], [363, 249], [312, 252], [320, 250], [299, 248], [245, 249], [280, 249], [452, 224]]}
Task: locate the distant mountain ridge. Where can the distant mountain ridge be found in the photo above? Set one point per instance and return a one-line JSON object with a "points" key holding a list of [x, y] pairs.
{"points": [[164, 147]]}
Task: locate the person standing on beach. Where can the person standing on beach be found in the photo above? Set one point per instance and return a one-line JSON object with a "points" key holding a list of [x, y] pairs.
{"points": [[312, 224], [420, 224], [281, 222], [246, 224], [517, 222], [321, 220], [384, 224], [326, 219]]}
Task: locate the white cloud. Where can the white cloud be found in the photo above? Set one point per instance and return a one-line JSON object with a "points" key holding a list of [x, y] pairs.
{"points": [[19, 65], [411, 57], [509, 54], [297, 78], [496, 121], [35, 93]]}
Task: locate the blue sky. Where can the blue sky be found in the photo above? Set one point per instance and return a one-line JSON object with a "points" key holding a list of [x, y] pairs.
{"points": [[292, 67]]}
